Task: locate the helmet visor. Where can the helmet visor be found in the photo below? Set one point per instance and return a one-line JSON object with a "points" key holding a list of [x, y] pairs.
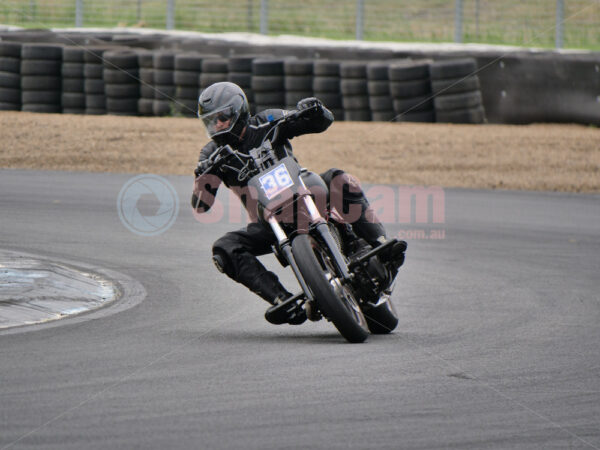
{"points": [[220, 121]]}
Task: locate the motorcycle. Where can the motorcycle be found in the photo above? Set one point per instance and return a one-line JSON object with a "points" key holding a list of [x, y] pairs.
{"points": [[340, 276]]}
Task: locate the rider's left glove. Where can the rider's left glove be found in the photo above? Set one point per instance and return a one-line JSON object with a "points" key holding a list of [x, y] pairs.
{"points": [[312, 105]]}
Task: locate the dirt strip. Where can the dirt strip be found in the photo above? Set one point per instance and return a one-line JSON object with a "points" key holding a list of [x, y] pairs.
{"points": [[535, 157]]}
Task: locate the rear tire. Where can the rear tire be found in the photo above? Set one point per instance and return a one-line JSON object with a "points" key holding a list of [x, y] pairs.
{"points": [[315, 265]]}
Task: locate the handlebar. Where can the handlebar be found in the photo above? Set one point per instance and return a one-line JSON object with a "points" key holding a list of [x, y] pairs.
{"points": [[221, 154]]}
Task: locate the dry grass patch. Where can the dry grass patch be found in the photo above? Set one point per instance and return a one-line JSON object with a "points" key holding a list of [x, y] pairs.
{"points": [[535, 157]]}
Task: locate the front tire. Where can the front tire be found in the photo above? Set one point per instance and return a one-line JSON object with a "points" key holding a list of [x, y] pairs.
{"points": [[335, 300]]}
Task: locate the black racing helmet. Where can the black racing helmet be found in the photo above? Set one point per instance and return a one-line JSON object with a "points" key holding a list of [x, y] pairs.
{"points": [[224, 110]]}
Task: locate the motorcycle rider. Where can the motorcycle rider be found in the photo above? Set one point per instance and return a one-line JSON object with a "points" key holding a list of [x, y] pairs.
{"points": [[224, 110]]}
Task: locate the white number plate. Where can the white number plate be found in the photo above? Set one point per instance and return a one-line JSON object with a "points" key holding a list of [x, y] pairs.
{"points": [[276, 181]]}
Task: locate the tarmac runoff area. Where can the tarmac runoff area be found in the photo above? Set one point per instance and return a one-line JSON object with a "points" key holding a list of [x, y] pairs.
{"points": [[36, 290]]}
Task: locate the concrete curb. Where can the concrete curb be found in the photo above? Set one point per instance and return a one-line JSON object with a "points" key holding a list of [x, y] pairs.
{"points": [[38, 292]]}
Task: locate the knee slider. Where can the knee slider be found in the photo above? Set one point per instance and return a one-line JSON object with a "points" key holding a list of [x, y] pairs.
{"points": [[222, 263], [219, 263]]}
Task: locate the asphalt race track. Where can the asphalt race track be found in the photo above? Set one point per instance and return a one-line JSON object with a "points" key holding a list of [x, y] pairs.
{"points": [[498, 344]]}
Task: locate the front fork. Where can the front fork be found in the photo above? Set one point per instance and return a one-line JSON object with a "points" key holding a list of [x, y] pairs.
{"points": [[286, 248], [320, 225]]}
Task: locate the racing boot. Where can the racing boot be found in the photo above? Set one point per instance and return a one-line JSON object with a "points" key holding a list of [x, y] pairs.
{"points": [[395, 254], [270, 289], [292, 314], [374, 234]]}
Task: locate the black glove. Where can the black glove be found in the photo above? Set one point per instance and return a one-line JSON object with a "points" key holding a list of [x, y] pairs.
{"points": [[312, 106], [203, 166]]}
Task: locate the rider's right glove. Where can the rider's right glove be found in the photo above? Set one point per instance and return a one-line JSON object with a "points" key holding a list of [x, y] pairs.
{"points": [[202, 167]]}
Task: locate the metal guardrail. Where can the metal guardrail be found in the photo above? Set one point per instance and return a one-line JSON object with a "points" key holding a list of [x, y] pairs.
{"points": [[534, 23]]}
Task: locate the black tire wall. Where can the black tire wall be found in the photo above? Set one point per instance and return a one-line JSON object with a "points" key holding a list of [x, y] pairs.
{"points": [[73, 95], [122, 83], [39, 63], [10, 78], [519, 86]]}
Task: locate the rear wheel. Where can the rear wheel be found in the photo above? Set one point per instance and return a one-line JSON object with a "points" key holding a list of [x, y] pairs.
{"points": [[335, 300]]}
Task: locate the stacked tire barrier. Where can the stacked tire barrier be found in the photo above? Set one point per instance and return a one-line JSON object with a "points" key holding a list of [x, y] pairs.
{"points": [[122, 84], [457, 93], [410, 88], [146, 100], [73, 78], [41, 81], [298, 82], [95, 98], [378, 87], [355, 93], [519, 87], [268, 83], [187, 83], [164, 83], [10, 78], [214, 70], [124, 80], [240, 73], [326, 86]]}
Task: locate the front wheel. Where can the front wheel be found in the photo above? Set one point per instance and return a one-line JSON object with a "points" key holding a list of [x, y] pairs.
{"points": [[335, 300]]}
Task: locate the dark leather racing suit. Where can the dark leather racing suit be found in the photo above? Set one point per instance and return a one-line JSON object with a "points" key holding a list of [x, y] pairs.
{"points": [[236, 252]]}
